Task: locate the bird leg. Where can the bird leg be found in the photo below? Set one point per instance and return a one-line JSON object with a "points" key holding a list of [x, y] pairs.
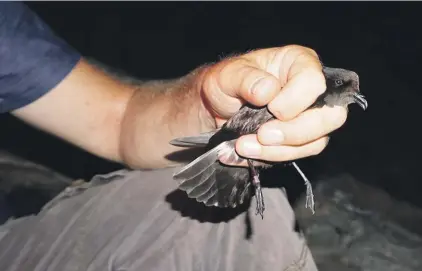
{"points": [[260, 206], [309, 193]]}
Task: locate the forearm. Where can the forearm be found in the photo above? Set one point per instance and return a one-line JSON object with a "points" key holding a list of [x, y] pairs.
{"points": [[122, 122], [161, 111], [86, 109]]}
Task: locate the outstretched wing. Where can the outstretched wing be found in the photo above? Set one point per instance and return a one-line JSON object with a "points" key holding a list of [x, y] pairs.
{"points": [[212, 183]]}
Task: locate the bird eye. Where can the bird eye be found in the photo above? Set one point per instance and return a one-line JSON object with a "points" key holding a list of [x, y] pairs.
{"points": [[338, 82]]}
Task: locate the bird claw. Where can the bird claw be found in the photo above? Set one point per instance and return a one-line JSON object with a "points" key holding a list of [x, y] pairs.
{"points": [[260, 206], [310, 203]]}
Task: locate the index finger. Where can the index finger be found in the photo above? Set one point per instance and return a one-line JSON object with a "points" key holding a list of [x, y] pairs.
{"points": [[305, 81]]}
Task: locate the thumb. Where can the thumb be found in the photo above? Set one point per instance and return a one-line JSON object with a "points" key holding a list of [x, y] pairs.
{"points": [[232, 81]]}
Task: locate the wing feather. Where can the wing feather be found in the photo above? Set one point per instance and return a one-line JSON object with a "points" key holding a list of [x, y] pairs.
{"points": [[208, 181]]}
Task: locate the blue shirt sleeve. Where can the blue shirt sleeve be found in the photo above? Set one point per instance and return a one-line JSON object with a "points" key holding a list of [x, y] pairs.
{"points": [[33, 60]]}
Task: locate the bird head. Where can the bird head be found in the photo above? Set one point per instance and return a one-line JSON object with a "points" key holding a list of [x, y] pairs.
{"points": [[342, 88]]}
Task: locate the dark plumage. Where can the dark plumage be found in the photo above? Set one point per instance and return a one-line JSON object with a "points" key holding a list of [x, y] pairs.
{"points": [[216, 184]]}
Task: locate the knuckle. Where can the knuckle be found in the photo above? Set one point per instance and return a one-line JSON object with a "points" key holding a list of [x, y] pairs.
{"points": [[312, 52], [291, 47], [243, 60], [296, 47], [303, 51], [309, 51]]}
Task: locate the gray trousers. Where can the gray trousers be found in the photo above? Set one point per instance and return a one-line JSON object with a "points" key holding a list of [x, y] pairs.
{"points": [[138, 220]]}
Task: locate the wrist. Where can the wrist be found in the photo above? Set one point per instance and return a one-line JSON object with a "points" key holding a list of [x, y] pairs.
{"points": [[158, 112], [188, 114], [206, 119]]}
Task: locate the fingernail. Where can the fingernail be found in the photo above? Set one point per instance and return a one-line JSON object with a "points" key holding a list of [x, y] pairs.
{"points": [[262, 84], [251, 148], [272, 136]]}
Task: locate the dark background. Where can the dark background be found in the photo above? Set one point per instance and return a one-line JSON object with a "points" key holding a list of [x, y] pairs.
{"points": [[381, 41]]}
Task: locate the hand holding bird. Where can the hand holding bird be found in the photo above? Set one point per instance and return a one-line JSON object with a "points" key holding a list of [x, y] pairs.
{"points": [[287, 80], [273, 104]]}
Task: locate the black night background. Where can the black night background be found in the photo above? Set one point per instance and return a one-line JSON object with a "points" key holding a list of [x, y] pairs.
{"points": [[381, 41]]}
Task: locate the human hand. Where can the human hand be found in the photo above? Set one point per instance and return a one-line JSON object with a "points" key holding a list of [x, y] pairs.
{"points": [[288, 80]]}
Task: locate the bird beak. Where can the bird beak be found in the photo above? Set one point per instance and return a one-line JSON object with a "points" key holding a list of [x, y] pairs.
{"points": [[360, 100]]}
